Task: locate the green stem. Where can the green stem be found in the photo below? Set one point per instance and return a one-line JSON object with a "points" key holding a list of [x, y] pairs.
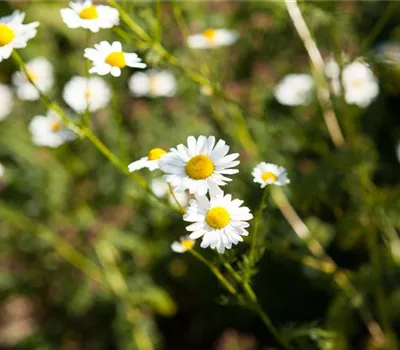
{"points": [[171, 191], [118, 121], [257, 219]]}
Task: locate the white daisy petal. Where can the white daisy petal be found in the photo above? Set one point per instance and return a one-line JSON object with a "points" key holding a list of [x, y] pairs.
{"points": [[270, 174], [151, 161], [185, 243], [295, 90], [212, 38]]}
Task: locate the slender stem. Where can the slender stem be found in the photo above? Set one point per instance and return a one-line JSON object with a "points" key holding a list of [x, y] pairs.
{"points": [[257, 219], [118, 120], [171, 191]]}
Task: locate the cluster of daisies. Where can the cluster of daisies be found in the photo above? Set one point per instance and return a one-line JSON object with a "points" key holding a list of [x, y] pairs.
{"points": [[199, 169]]}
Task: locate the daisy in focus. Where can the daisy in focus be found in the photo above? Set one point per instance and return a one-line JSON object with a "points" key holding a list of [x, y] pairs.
{"points": [[185, 243], [151, 161], [49, 130], [152, 83], [161, 189], [212, 38], [270, 174], [295, 90], [83, 14], [6, 99], [81, 93], [360, 84], [110, 59], [41, 72], [14, 34], [220, 220], [200, 166]]}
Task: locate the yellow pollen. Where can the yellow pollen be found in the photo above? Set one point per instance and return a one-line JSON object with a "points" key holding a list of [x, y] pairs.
{"points": [[153, 84], [89, 12], [357, 83], [187, 244], [55, 126], [155, 154], [218, 217], [31, 76], [199, 167], [269, 176], [87, 95], [116, 59], [6, 35], [209, 33]]}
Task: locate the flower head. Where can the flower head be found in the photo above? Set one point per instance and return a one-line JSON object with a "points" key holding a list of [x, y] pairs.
{"points": [[6, 99], [270, 174], [110, 59], [14, 34], [220, 220], [200, 167], [212, 38], [152, 83], [295, 89], [185, 243], [83, 14], [151, 161]]}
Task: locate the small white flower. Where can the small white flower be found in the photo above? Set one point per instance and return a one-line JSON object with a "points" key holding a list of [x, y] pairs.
{"points": [[3, 170], [151, 161], [40, 70], [200, 167], [388, 52], [184, 244], [270, 174], [360, 84], [110, 59], [83, 14], [212, 38], [6, 99], [332, 71], [49, 130], [152, 83], [295, 90], [14, 34], [161, 189], [220, 220], [80, 93]]}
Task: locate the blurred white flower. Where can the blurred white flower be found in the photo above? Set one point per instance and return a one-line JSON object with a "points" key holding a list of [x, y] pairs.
{"points": [[110, 59], [49, 130], [360, 84], [2, 170], [388, 52], [14, 34], [161, 189], [40, 70], [295, 89], [212, 38], [6, 99], [184, 244], [80, 93], [270, 174], [152, 83], [151, 161], [83, 14], [220, 220], [398, 151], [332, 71]]}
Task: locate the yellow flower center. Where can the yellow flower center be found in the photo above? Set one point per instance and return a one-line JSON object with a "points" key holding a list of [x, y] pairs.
{"points": [[87, 95], [187, 244], [199, 167], [116, 59], [6, 35], [31, 75], [356, 83], [89, 12], [153, 83], [155, 154], [209, 33], [55, 126], [218, 217], [267, 176]]}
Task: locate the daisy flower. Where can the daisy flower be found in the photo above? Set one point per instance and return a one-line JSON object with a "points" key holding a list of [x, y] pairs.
{"points": [[161, 189], [212, 38], [151, 161], [41, 71], [49, 131], [295, 90], [81, 93], [360, 84], [14, 34], [6, 99], [185, 243], [220, 220], [83, 14], [200, 167], [152, 83], [270, 174], [110, 59]]}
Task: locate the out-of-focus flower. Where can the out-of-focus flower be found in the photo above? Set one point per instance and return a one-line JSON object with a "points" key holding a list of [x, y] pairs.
{"points": [[200, 167], [212, 38], [152, 83], [220, 220], [14, 34], [398, 151], [151, 161], [332, 71], [81, 93], [110, 59], [2, 170], [270, 174], [161, 189], [360, 84], [40, 70], [49, 130], [388, 52], [295, 90], [6, 99], [185, 243], [83, 14]]}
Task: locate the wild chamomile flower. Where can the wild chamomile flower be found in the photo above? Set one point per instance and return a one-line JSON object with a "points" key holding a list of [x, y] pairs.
{"points": [[152, 83], [220, 220], [6, 99], [81, 93], [185, 243], [83, 14], [200, 167], [41, 71], [212, 38], [14, 34], [360, 84], [161, 189], [110, 59], [270, 174], [151, 161], [295, 90], [49, 130]]}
